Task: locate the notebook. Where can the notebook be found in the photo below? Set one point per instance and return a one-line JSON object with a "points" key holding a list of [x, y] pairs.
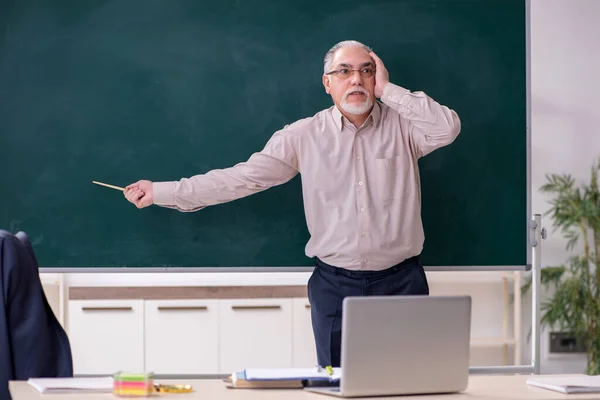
{"points": [[574, 384], [71, 385]]}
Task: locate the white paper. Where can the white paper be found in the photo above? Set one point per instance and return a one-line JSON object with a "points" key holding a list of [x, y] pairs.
{"points": [[565, 384], [290, 373], [64, 385]]}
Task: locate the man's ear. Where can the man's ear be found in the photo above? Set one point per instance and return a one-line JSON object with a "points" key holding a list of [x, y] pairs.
{"points": [[326, 83]]}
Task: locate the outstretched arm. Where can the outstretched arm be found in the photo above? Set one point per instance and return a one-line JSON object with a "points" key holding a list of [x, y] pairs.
{"points": [[431, 125], [274, 165]]}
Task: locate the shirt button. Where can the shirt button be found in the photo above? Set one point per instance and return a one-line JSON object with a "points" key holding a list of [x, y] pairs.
{"points": [[358, 157], [362, 209], [363, 234], [365, 260], [360, 183]]}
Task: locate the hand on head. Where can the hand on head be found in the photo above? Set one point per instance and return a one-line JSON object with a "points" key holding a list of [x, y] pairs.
{"points": [[139, 193], [382, 77]]}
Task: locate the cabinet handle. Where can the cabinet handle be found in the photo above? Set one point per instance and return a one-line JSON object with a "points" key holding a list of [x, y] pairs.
{"points": [[182, 308], [273, 307], [106, 308], [307, 306]]}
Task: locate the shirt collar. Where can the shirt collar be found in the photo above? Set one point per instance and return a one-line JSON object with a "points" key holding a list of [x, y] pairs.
{"points": [[375, 115]]}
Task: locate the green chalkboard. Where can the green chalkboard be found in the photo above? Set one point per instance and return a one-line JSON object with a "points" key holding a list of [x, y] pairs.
{"points": [[122, 90]]}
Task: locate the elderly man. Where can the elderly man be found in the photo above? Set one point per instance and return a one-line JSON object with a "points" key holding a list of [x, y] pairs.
{"points": [[360, 182]]}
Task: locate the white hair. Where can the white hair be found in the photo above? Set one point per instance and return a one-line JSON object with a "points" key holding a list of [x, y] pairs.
{"points": [[329, 55]]}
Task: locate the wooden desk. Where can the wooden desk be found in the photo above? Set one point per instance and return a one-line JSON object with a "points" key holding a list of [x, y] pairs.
{"points": [[484, 387]]}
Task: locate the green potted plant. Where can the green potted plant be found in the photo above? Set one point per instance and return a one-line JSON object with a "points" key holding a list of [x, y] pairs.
{"points": [[574, 287]]}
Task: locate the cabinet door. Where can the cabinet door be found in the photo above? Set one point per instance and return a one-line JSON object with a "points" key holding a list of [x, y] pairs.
{"points": [[182, 336], [304, 353], [106, 335], [255, 333]]}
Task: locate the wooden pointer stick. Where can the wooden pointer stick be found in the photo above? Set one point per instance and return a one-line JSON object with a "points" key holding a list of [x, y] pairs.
{"points": [[109, 186]]}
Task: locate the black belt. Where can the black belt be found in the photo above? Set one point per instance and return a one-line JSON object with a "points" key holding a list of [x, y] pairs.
{"points": [[364, 274]]}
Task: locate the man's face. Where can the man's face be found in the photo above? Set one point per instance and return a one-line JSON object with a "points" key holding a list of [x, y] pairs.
{"points": [[351, 91]]}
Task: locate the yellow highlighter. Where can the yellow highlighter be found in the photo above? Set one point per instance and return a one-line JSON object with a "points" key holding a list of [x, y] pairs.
{"points": [[161, 388]]}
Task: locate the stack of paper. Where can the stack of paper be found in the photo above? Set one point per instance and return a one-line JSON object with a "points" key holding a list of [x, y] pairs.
{"points": [[575, 384], [71, 385], [238, 381], [280, 378], [291, 373]]}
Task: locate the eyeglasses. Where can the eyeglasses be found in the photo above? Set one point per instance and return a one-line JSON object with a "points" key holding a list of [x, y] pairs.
{"points": [[345, 73]]}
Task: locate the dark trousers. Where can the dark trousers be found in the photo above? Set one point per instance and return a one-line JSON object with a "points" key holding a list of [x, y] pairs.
{"points": [[328, 285]]}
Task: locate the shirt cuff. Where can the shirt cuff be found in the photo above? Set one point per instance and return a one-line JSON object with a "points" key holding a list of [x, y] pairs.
{"points": [[163, 193], [393, 93]]}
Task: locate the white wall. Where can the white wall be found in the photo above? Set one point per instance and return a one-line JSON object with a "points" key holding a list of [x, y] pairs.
{"points": [[565, 67]]}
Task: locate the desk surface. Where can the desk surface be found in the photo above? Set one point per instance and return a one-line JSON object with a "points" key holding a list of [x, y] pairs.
{"points": [[488, 387]]}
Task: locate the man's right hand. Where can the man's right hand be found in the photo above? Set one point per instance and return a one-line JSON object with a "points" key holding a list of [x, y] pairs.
{"points": [[139, 193]]}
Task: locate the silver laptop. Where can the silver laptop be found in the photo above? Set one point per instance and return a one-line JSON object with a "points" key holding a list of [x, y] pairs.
{"points": [[396, 345]]}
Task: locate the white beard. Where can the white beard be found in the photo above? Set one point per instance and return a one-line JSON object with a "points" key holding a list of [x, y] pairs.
{"points": [[353, 108], [357, 109]]}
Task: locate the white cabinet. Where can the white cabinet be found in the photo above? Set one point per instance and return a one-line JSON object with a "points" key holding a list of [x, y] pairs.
{"points": [[207, 331], [255, 333], [182, 336], [106, 335], [175, 337], [303, 341]]}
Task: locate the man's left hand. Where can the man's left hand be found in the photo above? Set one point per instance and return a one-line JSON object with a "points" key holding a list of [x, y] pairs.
{"points": [[382, 77]]}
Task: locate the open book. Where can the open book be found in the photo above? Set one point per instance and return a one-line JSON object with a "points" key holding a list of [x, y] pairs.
{"points": [[565, 384], [72, 385]]}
